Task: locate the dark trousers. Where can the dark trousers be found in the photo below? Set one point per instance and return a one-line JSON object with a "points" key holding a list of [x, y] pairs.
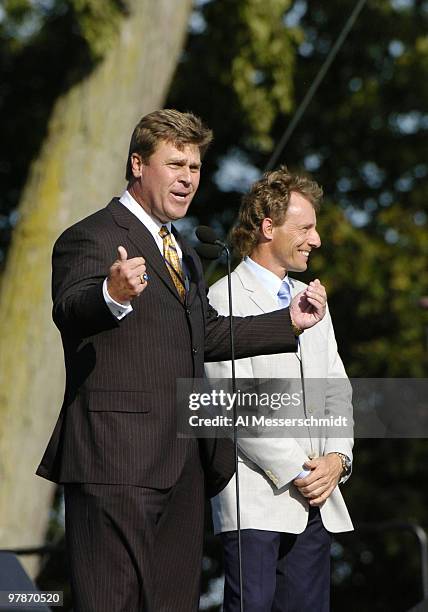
{"points": [[281, 572], [134, 549]]}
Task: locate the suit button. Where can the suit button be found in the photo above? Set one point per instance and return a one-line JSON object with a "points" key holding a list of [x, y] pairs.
{"points": [[194, 350], [188, 312]]}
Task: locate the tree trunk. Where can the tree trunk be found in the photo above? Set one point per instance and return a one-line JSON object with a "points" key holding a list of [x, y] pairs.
{"points": [[80, 167]]}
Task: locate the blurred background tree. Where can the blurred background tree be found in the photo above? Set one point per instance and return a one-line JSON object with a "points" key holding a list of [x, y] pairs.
{"points": [[245, 69], [76, 76]]}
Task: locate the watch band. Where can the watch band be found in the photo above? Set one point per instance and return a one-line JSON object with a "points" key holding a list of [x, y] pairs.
{"points": [[346, 462], [296, 330]]}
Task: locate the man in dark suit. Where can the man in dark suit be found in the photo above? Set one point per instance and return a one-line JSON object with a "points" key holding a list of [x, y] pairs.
{"points": [[133, 489]]}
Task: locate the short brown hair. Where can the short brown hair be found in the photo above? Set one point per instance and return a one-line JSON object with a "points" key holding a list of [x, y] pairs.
{"points": [[167, 125], [269, 197]]}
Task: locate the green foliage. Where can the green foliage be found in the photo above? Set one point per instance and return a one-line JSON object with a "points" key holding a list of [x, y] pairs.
{"points": [[262, 69], [16, 10], [248, 60], [378, 285], [98, 22]]}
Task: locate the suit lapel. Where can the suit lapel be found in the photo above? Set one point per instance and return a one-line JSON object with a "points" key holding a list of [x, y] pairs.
{"points": [[294, 288], [256, 292], [140, 236]]}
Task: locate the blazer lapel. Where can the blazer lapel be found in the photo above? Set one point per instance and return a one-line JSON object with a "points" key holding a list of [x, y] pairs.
{"points": [[294, 288], [264, 300], [256, 291], [143, 240]]}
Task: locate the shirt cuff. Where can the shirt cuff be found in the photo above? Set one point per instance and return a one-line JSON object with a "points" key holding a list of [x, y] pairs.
{"points": [[303, 474], [117, 309]]}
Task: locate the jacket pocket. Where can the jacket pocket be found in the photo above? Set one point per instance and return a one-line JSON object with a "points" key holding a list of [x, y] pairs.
{"points": [[119, 401]]}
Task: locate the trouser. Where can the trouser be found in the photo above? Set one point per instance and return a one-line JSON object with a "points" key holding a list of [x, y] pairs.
{"points": [[282, 572], [134, 549]]}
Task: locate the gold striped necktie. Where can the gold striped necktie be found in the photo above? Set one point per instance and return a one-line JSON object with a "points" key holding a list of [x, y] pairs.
{"points": [[172, 261]]}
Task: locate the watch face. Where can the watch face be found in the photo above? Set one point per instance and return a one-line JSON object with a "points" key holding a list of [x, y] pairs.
{"points": [[346, 462]]}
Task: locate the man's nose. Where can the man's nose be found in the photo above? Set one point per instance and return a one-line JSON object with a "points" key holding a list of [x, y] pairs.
{"points": [[185, 176], [314, 239]]}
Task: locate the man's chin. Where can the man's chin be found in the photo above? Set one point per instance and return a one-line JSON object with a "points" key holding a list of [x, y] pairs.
{"points": [[172, 216], [178, 213], [298, 268]]}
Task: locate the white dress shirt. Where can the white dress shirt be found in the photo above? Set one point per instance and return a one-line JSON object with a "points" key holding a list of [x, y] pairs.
{"points": [[153, 225]]}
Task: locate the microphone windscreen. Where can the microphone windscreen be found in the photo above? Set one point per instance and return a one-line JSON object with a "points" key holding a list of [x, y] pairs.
{"points": [[206, 234], [209, 251]]}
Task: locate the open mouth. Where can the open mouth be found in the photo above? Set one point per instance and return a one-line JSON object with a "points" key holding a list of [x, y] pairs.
{"points": [[180, 196], [305, 253]]}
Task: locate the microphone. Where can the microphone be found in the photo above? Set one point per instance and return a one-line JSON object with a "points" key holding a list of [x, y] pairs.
{"points": [[208, 236], [209, 251]]}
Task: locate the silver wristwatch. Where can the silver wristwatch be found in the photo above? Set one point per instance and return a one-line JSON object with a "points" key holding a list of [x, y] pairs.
{"points": [[346, 463]]}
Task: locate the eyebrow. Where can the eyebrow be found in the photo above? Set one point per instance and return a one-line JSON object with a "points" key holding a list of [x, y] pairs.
{"points": [[182, 161]]}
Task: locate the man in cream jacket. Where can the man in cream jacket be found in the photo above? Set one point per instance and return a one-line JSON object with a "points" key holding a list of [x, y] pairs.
{"points": [[289, 494]]}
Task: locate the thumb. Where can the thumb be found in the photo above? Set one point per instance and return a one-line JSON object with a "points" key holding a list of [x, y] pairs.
{"points": [[123, 255]]}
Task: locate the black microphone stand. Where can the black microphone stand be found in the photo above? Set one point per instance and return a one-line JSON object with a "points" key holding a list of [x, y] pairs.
{"points": [[235, 428], [207, 236]]}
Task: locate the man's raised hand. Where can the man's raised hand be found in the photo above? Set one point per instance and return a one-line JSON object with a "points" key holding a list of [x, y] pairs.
{"points": [[126, 277], [308, 307]]}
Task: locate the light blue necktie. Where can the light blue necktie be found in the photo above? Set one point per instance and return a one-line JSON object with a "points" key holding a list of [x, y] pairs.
{"points": [[284, 294]]}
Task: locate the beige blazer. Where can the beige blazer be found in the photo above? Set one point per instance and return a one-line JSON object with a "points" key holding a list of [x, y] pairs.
{"points": [[267, 466]]}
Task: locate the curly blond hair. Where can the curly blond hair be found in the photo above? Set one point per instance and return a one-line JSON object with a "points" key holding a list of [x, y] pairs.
{"points": [[270, 197]]}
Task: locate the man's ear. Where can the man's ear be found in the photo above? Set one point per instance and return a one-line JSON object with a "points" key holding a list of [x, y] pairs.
{"points": [[266, 228], [136, 165]]}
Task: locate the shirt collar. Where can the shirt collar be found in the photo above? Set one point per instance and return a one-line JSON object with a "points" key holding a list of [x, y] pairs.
{"points": [[268, 279], [152, 224]]}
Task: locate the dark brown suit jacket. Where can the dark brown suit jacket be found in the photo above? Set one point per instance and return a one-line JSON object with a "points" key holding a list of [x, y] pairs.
{"points": [[118, 421]]}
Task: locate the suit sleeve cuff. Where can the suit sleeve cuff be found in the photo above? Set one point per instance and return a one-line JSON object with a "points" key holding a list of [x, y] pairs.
{"points": [[281, 459]]}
